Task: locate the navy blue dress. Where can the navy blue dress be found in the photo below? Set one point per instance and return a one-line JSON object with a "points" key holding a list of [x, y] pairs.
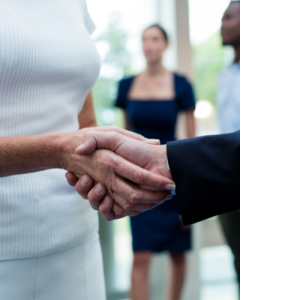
{"points": [[159, 229]]}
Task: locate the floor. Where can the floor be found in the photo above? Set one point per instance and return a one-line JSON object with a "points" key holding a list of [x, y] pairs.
{"points": [[217, 277], [215, 267]]}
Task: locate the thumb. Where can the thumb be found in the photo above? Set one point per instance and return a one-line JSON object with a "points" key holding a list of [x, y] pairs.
{"points": [[88, 146], [151, 141]]}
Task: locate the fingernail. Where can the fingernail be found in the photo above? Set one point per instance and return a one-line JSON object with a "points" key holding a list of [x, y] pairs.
{"points": [[85, 181], [170, 187], [98, 189], [154, 140], [169, 197], [105, 200], [80, 147]]}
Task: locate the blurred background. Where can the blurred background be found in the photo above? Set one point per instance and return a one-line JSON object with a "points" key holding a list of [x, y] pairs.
{"points": [[196, 51]]}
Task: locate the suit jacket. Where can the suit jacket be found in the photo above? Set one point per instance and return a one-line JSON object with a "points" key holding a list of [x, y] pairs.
{"points": [[206, 171]]}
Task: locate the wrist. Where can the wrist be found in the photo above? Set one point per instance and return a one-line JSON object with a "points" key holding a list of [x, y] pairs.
{"points": [[162, 160], [65, 144]]}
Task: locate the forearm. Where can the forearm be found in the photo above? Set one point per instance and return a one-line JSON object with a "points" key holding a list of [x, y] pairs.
{"points": [[86, 117], [206, 168], [190, 124], [20, 155], [127, 122], [90, 125]]}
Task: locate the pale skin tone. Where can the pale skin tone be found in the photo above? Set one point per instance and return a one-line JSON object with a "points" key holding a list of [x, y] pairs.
{"points": [[155, 83], [26, 154]]}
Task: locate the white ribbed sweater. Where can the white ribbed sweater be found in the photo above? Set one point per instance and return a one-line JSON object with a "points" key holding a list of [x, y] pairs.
{"points": [[48, 64]]}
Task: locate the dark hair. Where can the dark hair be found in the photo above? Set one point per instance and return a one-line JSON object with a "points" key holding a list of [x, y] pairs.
{"points": [[165, 35]]}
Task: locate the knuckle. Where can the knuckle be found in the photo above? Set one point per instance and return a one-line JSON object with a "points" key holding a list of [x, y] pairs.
{"points": [[92, 198], [137, 177], [88, 134], [116, 164], [102, 157], [110, 182], [135, 198], [118, 211], [114, 139], [128, 206], [107, 160], [139, 137], [114, 128], [114, 195]]}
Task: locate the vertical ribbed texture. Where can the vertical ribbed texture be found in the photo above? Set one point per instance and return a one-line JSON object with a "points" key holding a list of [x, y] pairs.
{"points": [[48, 64]]}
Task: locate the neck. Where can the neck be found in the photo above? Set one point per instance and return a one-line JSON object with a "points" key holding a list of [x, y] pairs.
{"points": [[237, 53], [154, 68]]}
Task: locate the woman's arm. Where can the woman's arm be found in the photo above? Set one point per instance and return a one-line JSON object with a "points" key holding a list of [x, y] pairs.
{"points": [[87, 117], [190, 123], [19, 155], [127, 122], [26, 154]]}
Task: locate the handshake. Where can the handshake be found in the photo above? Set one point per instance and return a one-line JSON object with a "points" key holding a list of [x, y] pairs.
{"points": [[121, 173]]}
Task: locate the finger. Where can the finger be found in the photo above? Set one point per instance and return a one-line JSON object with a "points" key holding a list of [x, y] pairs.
{"points": [[71, 178], [106, 207], [113, 141], [122, 131], [141, 176], [119, 212], [96, 195], [89, 144], [130, 207], [98, 140], [84, 185], [133, 195]]}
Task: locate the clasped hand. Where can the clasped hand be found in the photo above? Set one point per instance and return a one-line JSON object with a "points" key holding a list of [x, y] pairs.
{"points": [[125, 174]]}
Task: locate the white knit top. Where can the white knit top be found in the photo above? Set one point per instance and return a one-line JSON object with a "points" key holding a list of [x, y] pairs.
{"points": [[48, 64]]}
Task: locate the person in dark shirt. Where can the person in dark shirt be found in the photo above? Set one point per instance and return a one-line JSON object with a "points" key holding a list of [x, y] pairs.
{"points": [[151, 102]]}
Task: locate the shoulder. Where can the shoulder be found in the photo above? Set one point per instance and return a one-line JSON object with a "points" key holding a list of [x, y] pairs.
{"points": [[223, 74], [125, 83], [229, 69], [182, 85], [181, 79], [126, 80]]}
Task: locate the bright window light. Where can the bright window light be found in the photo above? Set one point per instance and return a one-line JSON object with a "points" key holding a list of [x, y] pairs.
{"points": [[204, 109]]}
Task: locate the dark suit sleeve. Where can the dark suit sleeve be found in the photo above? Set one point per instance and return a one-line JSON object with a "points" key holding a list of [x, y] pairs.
{"points": [[206, 171]]}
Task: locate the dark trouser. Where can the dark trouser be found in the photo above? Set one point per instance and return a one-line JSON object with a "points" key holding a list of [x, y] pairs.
{"points": [[231, 227]]}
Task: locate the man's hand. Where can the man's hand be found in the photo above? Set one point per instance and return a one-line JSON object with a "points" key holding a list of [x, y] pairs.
{"points": [[115, 175], [149, 157]]}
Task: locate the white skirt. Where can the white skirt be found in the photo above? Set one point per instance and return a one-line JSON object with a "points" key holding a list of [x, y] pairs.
{"points": [[73, 274]]}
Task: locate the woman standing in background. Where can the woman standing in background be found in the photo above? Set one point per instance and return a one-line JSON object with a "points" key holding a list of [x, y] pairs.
{"points": [[151, 102]]}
